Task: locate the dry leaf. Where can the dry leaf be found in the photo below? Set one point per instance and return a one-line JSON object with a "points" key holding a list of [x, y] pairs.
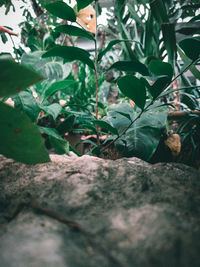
{"points": [[86, 17], [174, 143]]}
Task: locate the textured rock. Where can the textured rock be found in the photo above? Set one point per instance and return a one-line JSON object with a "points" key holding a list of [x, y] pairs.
{"points": [[131, 213]]}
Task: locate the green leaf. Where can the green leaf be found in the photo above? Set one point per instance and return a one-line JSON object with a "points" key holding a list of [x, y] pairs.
{"points": [[20, 138], [134, 66], [57, 142], [83, 3], [133, 88], [74, 31], [26, 102], [71, 54], [161, 68], [143, 138], [107, 126], [109, 47], [53, 110], [66, 125], [191, 47], [56, 87], [15, 77], [159, 86], [116, 115], [50, 131], [47, 67], [169, 37], [61, 146], [61, 10], [159, 11]]}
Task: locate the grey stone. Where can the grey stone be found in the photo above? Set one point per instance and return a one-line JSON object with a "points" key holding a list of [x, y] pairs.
{"points": [[131, 213]]}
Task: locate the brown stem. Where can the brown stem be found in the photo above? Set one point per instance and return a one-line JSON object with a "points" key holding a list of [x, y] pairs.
{"points": [[96, 73]]}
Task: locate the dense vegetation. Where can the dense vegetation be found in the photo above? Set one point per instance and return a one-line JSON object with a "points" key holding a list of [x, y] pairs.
{"points": [[59, 90]]}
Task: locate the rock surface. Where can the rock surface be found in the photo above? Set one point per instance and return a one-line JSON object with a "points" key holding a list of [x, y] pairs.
{"points": [[123, 213]]}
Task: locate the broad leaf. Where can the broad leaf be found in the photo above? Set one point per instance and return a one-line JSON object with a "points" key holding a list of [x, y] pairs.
{"points": [[20, 138], [143, 138], [74, 31], [57, 142], [107, 126], [160, 68], [53, 110], [47, 67], [116, 115], [15, 77], [61, 10], [134, 66], [56, 87], [191, 47], [70, 53], [83, 3], [159, 86], [26, 102], [133, 88]]}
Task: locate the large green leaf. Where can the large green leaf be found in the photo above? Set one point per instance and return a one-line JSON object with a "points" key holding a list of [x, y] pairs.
{"points": [[20, 138], [160, 68], [26, 102], [159, 86], [56, 87], [133, 88], [57, 142], [191, 47], [83, 3], [70, 53], [105, 125], [143, 138], [116, 116], [74, 31], [61, 10], [15, 77], [47, 67], [53, 110], [134, 66]]}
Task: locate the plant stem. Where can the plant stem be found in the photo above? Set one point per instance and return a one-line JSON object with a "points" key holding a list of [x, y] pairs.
{"points": [[96, 71], [146, 108]]}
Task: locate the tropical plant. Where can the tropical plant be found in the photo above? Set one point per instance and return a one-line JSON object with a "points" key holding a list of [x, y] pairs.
{"points": [[147, 34]]}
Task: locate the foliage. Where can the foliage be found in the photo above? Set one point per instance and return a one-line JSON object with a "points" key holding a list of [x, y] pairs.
{"points": [[146, 36]]}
